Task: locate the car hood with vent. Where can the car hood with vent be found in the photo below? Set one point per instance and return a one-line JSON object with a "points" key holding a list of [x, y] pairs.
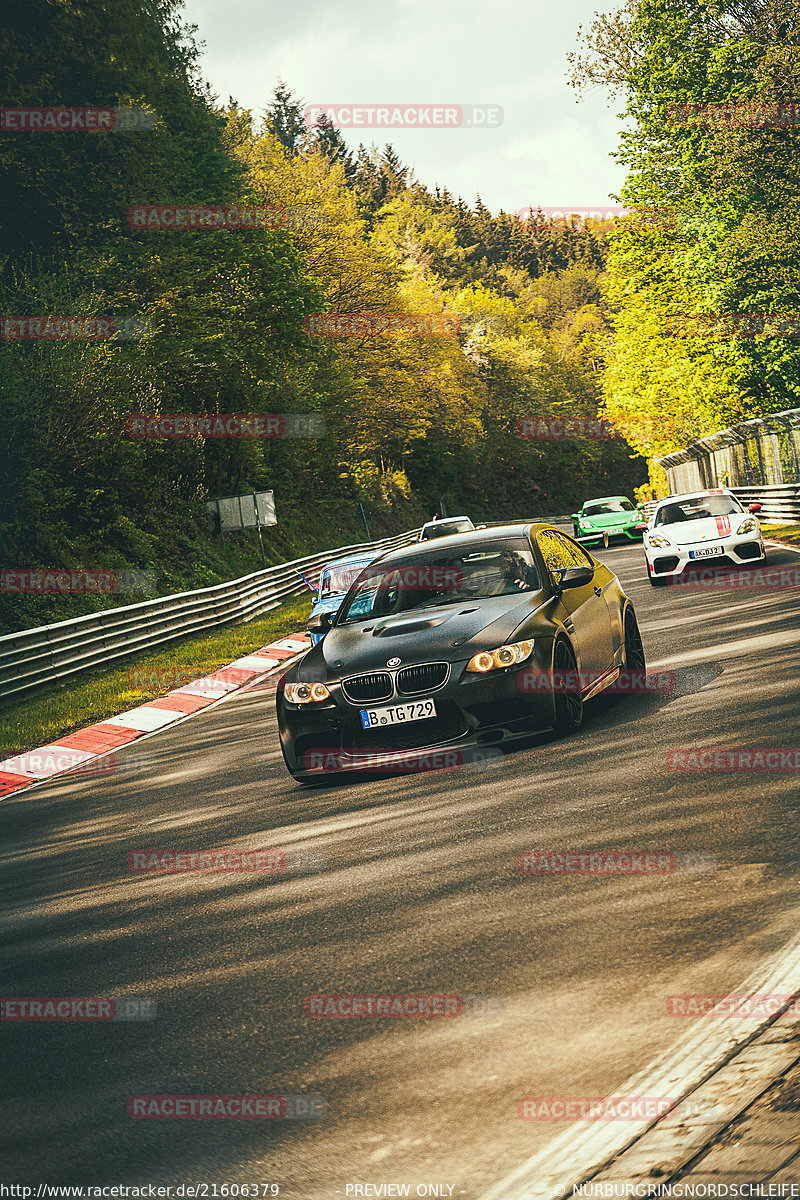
{"points": [[449, 633]]}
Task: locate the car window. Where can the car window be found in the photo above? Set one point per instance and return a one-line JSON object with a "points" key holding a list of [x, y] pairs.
{"points": [[336, 581], [696, 508], [579, 557], [560, 553], [447, 528], [607, 506], [436, 576], [554, 550]]}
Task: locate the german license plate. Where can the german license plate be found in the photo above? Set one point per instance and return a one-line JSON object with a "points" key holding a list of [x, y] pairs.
{"points": [[706, 552], [398, 714]]}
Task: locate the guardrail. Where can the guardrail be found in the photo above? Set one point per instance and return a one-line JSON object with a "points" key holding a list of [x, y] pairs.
{"points": [[33, 658], [762, 453], [780, 503]]}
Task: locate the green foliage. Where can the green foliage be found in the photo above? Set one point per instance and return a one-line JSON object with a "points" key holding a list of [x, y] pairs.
{"points": [[408, 419], [727, 239]]}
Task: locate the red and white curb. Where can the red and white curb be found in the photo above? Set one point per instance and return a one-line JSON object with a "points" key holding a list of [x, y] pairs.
{"points": [[84, 745]]}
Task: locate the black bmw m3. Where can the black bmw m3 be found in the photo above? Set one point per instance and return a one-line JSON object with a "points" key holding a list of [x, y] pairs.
{"points": [[476, 640]]}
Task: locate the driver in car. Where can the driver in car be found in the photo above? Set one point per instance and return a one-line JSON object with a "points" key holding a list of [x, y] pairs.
{"points": [[515, 573]]}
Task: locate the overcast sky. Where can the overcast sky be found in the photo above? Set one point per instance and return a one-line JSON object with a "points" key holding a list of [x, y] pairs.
{"points": [[548, 150]]}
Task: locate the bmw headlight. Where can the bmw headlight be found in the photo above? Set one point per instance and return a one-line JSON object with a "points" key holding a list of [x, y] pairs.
{"points": [[305, 693], [749, 525], [503, 656], [659, 542]]}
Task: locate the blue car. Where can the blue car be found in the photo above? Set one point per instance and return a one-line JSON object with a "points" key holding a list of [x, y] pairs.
{"points": [[334, 583]]}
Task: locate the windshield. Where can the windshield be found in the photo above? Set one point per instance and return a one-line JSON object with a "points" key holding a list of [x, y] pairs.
{"points": [[607, 506], [475, 572], [696, 508], [446, 528], [335, 581]]}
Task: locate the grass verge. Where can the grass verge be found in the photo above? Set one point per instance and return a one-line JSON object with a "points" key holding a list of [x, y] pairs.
{"points": [[788, 534], [43, 717]]}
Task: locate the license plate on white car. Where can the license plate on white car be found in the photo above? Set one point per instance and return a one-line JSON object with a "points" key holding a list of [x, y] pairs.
{"points": [[706, 552], [398, 714]]}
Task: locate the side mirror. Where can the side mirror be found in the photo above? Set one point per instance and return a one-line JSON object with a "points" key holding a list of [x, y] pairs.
{"points": [[572, 577], [320, 623], [574, 516], [754, 508]]}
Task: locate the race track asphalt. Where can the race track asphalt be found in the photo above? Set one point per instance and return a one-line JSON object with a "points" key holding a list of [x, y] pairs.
{"points": [[405, 885]]}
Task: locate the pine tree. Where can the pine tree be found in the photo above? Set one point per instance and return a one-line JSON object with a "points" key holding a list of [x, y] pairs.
{"points": [[285, 119], [395, 174], [327, 139]]}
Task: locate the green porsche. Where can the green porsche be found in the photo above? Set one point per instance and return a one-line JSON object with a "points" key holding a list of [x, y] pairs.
{"points": [[614, 515]]}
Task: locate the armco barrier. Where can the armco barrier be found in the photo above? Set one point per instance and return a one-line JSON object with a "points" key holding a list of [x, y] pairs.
{"points": [[760, 456], [780, 504], [50, 653]]}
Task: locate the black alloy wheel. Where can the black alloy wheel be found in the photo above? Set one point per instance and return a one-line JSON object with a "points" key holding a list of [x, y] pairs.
{"points": [[567, 690], [634, 650]]}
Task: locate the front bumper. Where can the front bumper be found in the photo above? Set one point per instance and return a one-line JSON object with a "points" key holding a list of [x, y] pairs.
{"points": [[474, 712], [626, 532], [737, 551]]}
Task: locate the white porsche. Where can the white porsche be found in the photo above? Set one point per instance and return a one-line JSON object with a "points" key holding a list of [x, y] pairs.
{"points": [[711, 528]]}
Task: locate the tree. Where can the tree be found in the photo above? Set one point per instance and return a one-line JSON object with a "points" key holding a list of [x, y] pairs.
{"points": [[285, 119]]}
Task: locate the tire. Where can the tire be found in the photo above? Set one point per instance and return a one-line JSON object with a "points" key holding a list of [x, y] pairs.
{"points": [[567, 704], [575, 531], [634, 650], [605, 539]]}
